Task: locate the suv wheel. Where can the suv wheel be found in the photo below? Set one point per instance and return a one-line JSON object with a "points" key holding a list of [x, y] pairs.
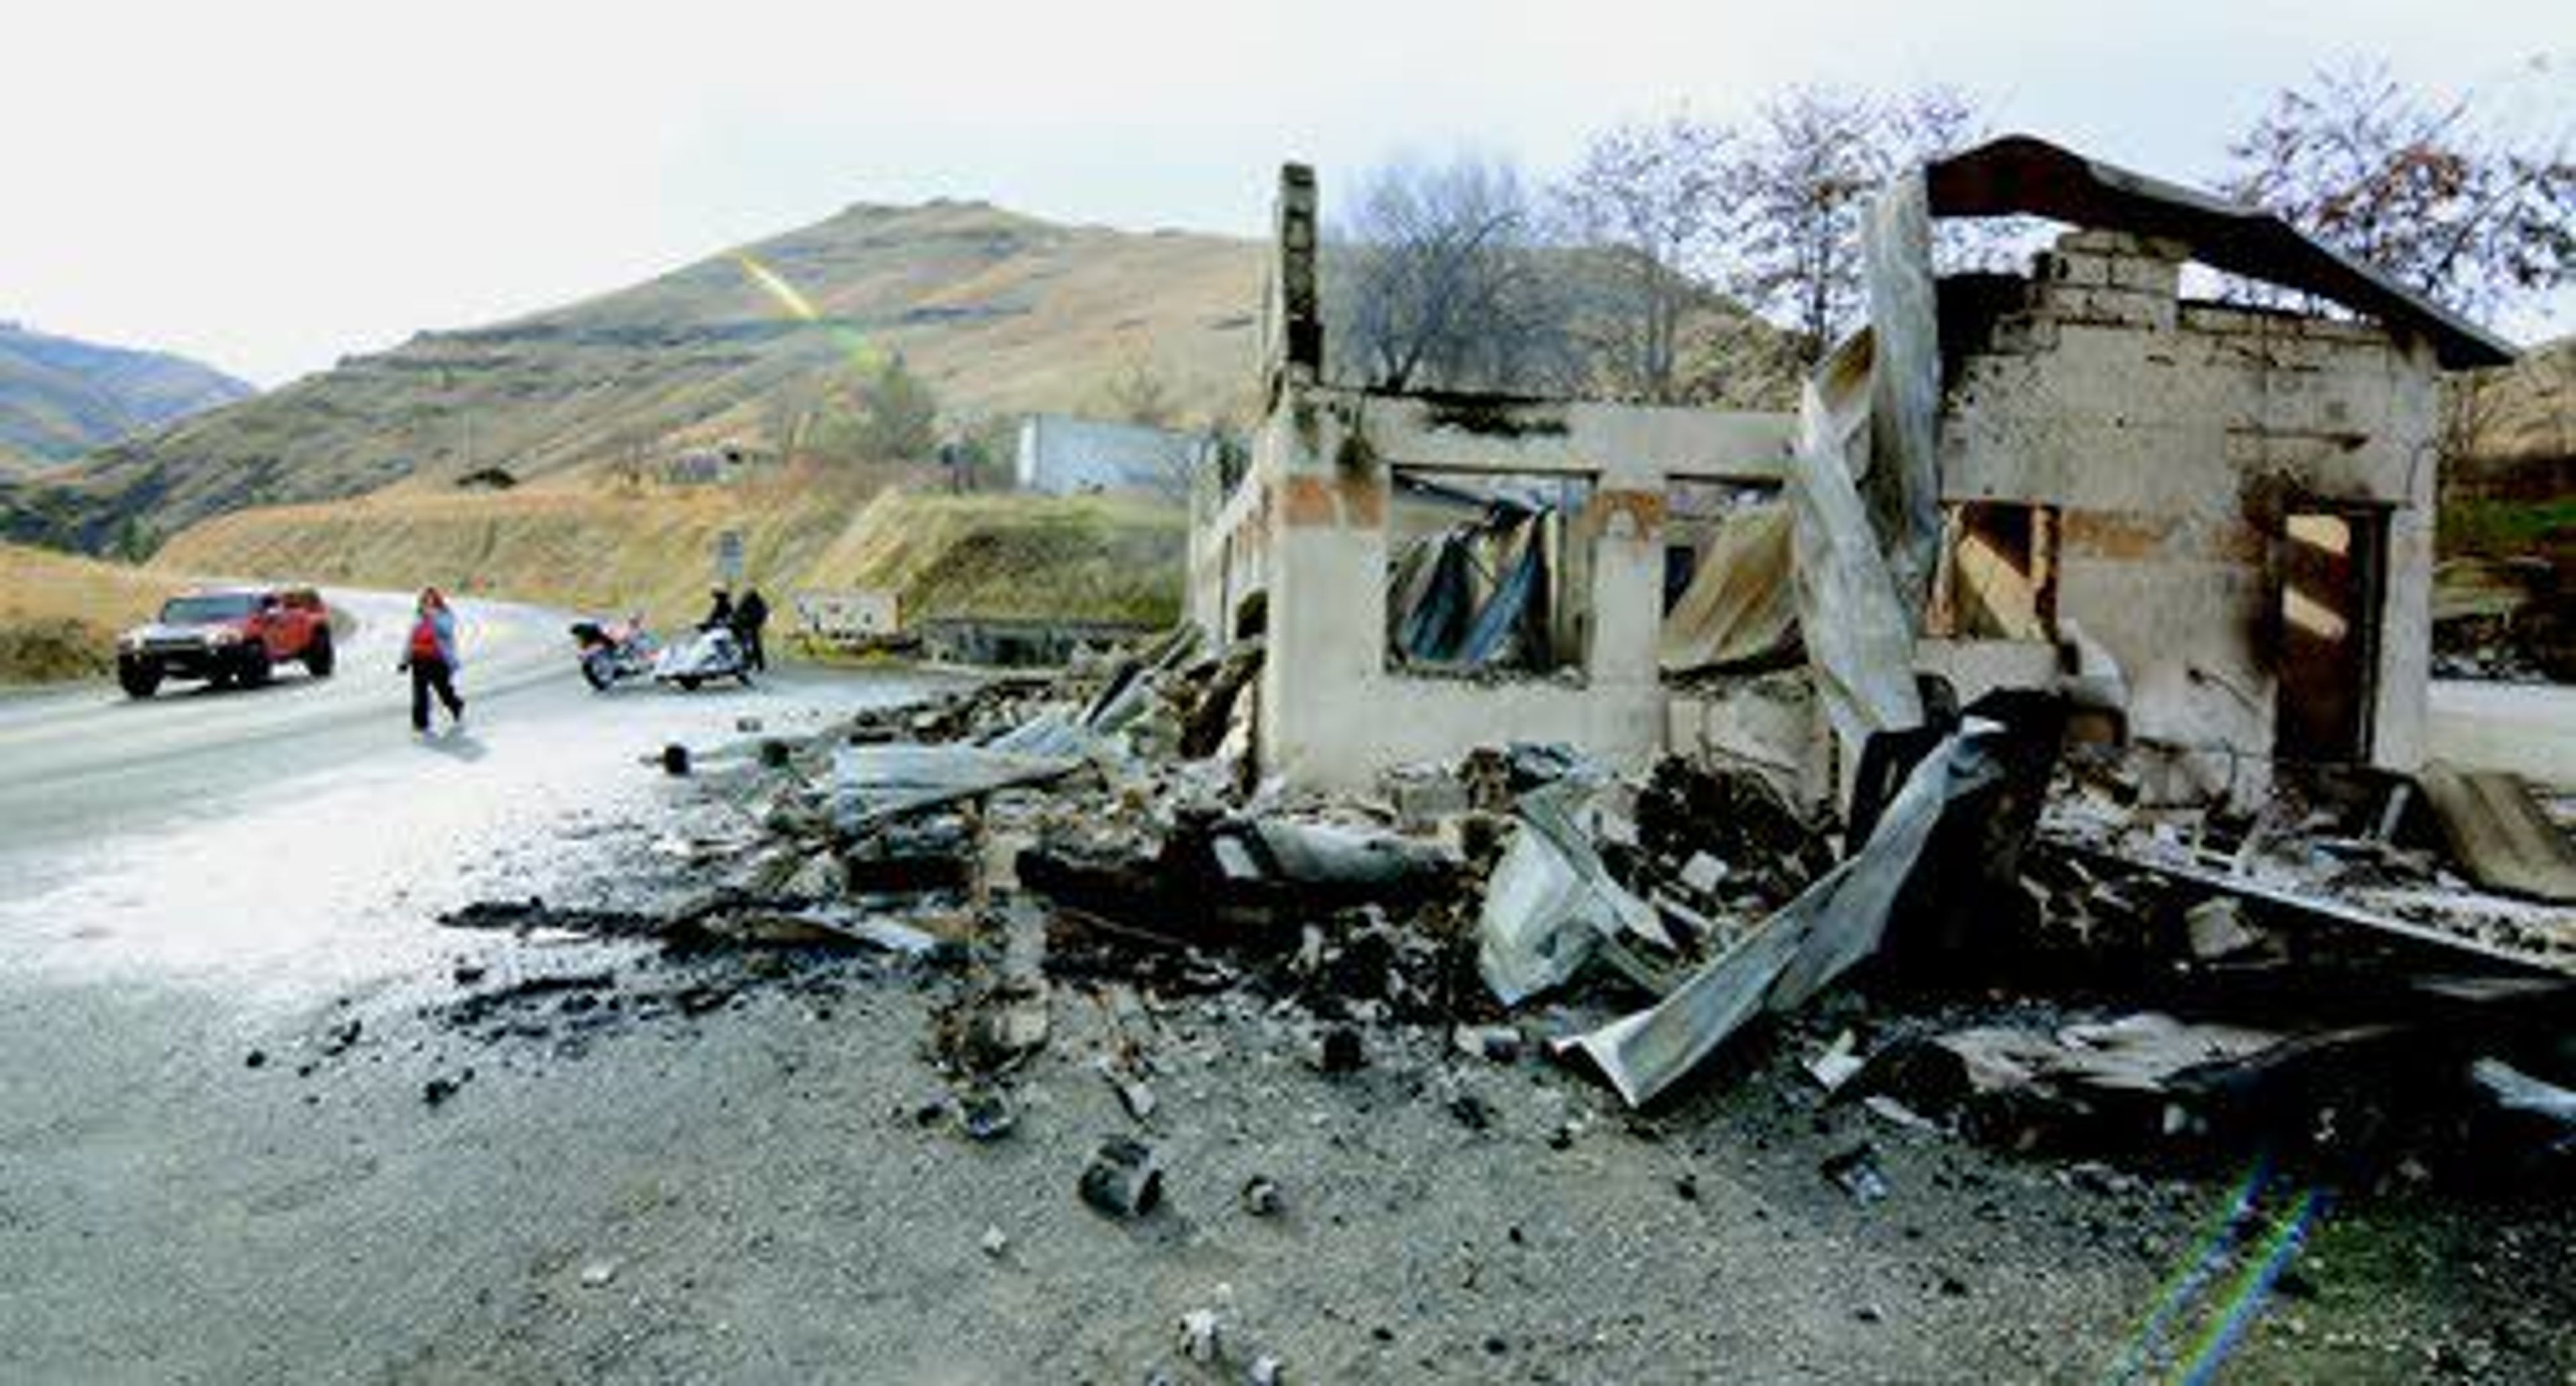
{"points": [[139, 678], [319, 658], [254, 665]]}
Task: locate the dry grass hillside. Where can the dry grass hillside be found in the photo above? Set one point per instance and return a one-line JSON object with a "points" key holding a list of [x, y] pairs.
{"points": [[1090, 557], [2526, 412], [588, 546], [2514, 494], [59, 615], [998, 312]]}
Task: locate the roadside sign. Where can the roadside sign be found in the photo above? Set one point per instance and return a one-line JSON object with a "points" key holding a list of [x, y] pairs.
{"points": [[729, 557], [846, 617]]}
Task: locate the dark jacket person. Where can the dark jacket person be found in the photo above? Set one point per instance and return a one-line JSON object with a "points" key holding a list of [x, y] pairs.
{"points": [[749, 615]]}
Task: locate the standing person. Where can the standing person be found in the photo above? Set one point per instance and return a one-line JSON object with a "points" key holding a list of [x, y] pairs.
{"points": [[429, 653], [749, 615]]}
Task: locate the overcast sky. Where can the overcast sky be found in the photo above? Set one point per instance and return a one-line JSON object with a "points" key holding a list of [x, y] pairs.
{"points": [[269, 185]]}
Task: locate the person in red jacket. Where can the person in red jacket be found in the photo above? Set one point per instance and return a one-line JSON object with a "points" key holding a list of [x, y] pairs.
{"points": [[429, 653]]}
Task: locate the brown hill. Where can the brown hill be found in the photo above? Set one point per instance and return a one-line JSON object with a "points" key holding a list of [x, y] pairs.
{"points": [[998, 312], [585, 545], [2521, 423], [59, 614]]}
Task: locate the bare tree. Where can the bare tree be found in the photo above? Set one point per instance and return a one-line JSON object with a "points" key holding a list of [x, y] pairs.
{"points": [[881, 412], [1432, 278], [790, 411], [1649, 199], [1139, 394], [1801, 185], [899, 416], [2478, 218]]}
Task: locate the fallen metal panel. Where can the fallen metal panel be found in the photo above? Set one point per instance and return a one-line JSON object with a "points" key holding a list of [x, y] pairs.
{"points": [[1741, 606], [1503, 612], [2517, 1091], [1858, 638], [1902, 483], [1809, 942], [1551, 903], [1432, 596], [2499, 835], [2332, 911], [871, 784]]}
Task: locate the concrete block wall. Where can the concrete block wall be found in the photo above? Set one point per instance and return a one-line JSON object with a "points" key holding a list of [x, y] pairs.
{"points": [[1333, 714], [2173, 437]]}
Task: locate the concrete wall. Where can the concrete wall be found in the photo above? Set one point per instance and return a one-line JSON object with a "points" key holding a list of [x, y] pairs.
{"points": [[1309, 528], [1061, 455], [2172, 439], [2174, 436]]}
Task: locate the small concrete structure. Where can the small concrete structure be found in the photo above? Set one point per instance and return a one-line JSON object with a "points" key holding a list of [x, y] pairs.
{"points": [[853, 619], [1061, 455], [713, 465], [2237, 505], [1314, 522]]}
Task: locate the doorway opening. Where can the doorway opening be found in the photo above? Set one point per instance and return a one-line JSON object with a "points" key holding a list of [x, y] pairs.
{"points": [[2332, 566]]}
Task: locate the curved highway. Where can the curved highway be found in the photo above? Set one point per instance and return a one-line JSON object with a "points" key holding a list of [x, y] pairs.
{"points": [[298, 836], [78, 762]]}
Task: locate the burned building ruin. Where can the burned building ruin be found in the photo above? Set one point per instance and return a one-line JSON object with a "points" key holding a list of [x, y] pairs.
{"points": [[2210, 522]]}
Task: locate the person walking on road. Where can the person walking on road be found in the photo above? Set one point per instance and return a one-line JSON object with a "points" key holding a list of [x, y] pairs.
{"points": [[429, 653], [749, 615]]}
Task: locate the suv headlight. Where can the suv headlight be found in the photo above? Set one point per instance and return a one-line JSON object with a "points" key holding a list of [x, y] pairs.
{"points": [[222, 635]]}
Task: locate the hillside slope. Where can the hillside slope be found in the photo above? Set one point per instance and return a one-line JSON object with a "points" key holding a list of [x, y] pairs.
{"points": [[585, 546], [998, 312], [2514, 495], [59, 614], [60, 397], [2521, 418]]}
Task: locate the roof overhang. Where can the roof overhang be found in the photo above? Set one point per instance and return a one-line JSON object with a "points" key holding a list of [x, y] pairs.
{"points": [[2018, 175]]}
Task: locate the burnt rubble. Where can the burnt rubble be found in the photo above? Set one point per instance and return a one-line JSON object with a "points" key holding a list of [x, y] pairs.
{"points": [[2016, 948]]}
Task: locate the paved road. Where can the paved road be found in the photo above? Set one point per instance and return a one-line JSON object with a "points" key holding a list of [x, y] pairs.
{"points": [[84, 760], [2529, 729], [210, 873], [294, 837]]}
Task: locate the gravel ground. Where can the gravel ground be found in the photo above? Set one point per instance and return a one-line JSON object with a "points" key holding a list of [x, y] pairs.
{"points": [[719, 1168]]}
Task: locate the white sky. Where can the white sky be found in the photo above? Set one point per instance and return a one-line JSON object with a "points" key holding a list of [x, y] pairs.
{"points": [[269, 184]]}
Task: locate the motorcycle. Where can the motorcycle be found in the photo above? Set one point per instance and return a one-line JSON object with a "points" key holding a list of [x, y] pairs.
{"points": [[711, 652], [615, 650]]}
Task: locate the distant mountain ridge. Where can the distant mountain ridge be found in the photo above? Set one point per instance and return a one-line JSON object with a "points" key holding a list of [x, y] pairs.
{"points": [[61, 397], [1000, 313]]}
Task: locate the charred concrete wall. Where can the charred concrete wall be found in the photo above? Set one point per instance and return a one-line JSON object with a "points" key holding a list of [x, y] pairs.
{"points": [[2174, 439], [1309, 528]]}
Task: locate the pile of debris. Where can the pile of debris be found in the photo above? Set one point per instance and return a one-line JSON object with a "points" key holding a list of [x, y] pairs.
{"points": [[2048, 962], [2503, 620]]}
